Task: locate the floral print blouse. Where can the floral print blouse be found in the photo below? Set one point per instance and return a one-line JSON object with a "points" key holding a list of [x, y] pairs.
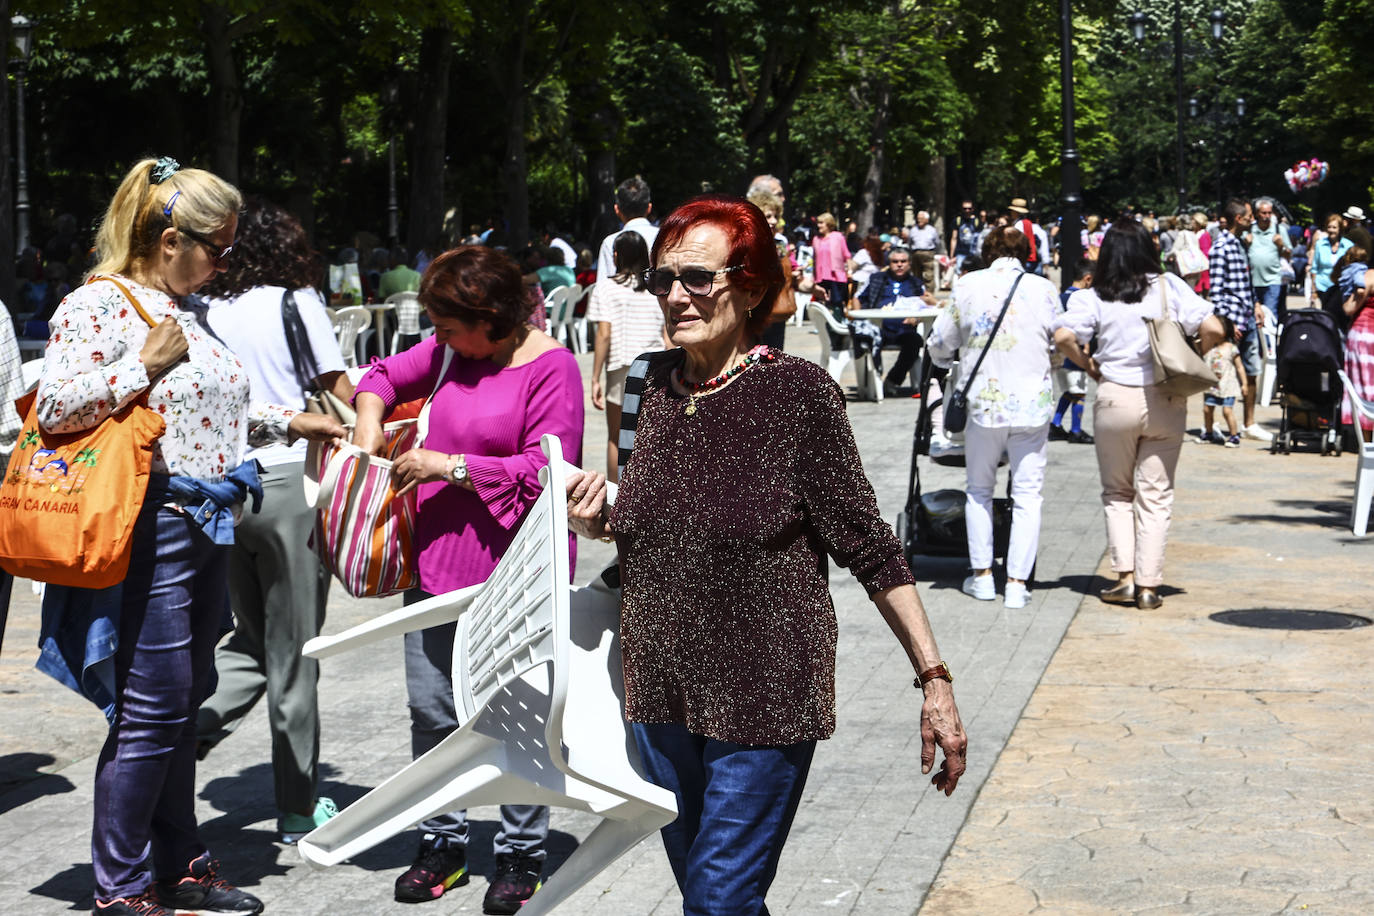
{"points": [[92, 369], [1013, 386]]}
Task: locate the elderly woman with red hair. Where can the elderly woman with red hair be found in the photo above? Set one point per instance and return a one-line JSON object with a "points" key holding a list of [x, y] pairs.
{"points": [[741, 478]]}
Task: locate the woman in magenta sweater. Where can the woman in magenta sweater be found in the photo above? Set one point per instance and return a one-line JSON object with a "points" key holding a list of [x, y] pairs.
{"points": [[476, 476]]}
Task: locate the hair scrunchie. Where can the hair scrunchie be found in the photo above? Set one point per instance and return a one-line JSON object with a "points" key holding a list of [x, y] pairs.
{"points": [[164, 168]]}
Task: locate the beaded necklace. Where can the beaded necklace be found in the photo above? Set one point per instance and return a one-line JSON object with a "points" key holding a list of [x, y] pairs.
{"points": [[759, 354]]}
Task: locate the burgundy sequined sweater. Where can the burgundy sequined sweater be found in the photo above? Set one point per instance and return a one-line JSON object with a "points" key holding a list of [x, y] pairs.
{"points": [[723, 521]]}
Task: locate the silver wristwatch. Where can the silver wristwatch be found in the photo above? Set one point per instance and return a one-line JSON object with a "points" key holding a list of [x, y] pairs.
{"points": [[459, 474]]}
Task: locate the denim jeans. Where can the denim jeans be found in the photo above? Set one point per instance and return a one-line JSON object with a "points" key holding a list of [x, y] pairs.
{"points": [[735, 807], [174, 602], [433, 717]]}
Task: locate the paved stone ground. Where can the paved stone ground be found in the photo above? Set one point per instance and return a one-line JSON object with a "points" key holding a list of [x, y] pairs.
{"points": [[870, 835]]}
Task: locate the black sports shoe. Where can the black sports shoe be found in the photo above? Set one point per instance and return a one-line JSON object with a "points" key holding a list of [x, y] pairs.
{"points": [[203, 890], [142, 905], [1081, 438], [517, 878], [434, 871], [1057, 433]]}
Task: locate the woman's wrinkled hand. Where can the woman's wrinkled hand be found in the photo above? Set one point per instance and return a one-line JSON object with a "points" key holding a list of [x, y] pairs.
{"points": [[587, 504], [598, 394], [940, 725], [166, 346], [368, 436], [417, 466], [316, 427]]}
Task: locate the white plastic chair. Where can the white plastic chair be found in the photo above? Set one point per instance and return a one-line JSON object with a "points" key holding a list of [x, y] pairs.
{"points": [[408, 311], [803, 303], [579, 322], [1269, 366], [559, 305], [1364, 471], [537, 686], [349, 322], [824, 322]]}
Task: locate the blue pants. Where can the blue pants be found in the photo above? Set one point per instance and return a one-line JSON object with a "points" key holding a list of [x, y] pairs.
{"points": [[735, 806], [433, 717], [175, 598]]}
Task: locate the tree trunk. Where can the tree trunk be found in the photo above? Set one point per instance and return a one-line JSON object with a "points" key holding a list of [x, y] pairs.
{"points": [[7, 290], [424, 228], [936, 179], [226, 93], [601, 195], [877, 159], [514, 165]]}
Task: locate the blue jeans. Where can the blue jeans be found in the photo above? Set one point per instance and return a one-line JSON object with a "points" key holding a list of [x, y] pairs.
{"points": [[433, 717], [735, 806], [174, 602]]}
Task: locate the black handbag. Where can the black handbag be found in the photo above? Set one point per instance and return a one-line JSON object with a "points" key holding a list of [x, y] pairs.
{"points": [[306, 369], [956, 411]]}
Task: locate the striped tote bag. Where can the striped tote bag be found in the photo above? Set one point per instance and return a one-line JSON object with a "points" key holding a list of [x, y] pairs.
{"points": [[364, 532]]}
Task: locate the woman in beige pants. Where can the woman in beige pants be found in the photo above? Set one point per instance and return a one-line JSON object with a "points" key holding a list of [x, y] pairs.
{"points": [[1138, 427]]}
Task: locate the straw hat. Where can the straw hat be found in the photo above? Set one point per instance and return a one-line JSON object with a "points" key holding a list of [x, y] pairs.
{"points": [[1018, 205], [1354, 213]]}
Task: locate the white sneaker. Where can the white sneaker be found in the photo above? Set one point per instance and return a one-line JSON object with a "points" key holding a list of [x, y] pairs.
{"points": [[1257, 432], [980, 587], [1017, 596]]}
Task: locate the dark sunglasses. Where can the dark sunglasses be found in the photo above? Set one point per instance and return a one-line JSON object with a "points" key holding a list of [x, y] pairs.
{"points": [[697, 281], [217, 254]]}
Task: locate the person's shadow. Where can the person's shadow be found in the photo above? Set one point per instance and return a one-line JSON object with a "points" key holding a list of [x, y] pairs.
{"points": [[21, 779]]}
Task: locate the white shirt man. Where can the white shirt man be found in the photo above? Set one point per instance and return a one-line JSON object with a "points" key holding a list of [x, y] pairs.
{"points": [[633, 208]]}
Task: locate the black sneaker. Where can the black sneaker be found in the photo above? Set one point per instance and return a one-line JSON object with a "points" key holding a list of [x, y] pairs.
{"points": [[434, 871], [202, 889], [142, 905], [516, 880], [1057, 433], [1081, 438]]}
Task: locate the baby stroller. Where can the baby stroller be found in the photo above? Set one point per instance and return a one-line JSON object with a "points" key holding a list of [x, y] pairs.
{"points": [[1310, 354], [932, 524]]}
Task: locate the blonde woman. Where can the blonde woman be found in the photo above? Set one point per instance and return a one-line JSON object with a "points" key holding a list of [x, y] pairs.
{"points": [[831, 253], [166, 233]]}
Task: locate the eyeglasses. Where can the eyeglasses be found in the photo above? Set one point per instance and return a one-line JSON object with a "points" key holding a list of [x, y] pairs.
{"points": [[697, 281], [217, 254]]}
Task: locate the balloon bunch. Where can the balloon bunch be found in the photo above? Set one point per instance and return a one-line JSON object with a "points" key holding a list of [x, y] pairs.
{"points": [[1306, 174]]}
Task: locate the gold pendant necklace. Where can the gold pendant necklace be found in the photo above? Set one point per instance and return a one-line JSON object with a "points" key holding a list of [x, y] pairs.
{"points": [[758, 354]]}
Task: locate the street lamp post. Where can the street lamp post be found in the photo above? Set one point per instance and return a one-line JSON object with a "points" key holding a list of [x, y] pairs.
{"points": [[1070, 225], [1137, 21], [22, 30]]}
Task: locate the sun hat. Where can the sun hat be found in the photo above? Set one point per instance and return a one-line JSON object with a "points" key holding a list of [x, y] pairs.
{"points": [[1018, 205], [1353, 213]]}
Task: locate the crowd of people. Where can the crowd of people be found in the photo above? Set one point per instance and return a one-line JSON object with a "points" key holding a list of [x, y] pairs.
{"points": [[212, 309]]}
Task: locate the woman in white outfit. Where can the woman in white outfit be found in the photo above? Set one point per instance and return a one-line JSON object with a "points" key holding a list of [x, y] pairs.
{"points": [[1009, 404], [1138, 426]]}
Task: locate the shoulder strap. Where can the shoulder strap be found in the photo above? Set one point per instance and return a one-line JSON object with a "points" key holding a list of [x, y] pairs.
{"points": [[142, 313], [988, 346], [422, 424], [635, 381], [298, 342], [1163, 299]]}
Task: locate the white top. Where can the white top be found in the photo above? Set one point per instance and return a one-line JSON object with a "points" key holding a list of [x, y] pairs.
{"points": [[1123, 343], [605, 261], [1013, 386], [635, 317], [864, 268], [251, 324]]}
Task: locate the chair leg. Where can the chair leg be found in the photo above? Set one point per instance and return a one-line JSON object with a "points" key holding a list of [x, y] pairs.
{"points": [[1364, 491], [608, 841]]}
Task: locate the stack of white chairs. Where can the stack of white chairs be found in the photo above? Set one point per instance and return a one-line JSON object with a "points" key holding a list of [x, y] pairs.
{"points": [[559, 304], [1364, 471], [408, 311], [349, 322], [539, 694]]}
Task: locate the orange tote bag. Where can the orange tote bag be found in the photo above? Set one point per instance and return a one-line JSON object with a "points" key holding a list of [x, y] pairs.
{"points": [[68, 502]]}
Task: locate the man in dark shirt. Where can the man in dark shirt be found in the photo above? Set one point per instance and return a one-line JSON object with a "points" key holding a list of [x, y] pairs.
{"points": [[884, 288]]}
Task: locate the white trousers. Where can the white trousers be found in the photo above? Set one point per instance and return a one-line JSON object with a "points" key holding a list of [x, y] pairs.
{"points": [[1026, 448]]}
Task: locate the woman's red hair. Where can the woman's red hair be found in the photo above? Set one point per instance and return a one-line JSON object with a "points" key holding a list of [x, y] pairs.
{"points": [[751, 245]]}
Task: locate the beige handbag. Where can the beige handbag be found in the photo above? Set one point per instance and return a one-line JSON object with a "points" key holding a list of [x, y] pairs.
{"points": [[1179, 369]]}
